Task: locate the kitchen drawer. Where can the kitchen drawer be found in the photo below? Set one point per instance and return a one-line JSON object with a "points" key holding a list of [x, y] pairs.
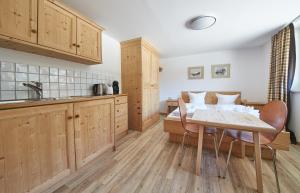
{"points": [[121, 109], [121, 124], [120, 100]]}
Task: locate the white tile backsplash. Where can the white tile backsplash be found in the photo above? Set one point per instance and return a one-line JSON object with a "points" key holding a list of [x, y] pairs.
{"points": [[54, 71], [44, 78], [22, 68], [7, 67], [8, 95], [22, 77], [54, 86], [20, 86], [8, 76], [56, 82], [5, 85], [21, 94], [33, 77], [62, 79], [33, 69], [44, 70], [53, 78]]}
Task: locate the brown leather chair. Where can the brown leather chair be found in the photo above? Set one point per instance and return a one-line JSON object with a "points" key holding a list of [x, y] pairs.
{"points": [[275, 114], [193, 130]]}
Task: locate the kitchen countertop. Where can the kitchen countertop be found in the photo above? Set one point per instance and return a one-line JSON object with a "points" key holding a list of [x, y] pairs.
{"points": [[33, 103]]}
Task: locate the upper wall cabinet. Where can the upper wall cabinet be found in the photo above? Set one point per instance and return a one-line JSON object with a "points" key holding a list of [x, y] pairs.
{"points": [[89, 40], [57, 27], [48, 27], [18, 19]]}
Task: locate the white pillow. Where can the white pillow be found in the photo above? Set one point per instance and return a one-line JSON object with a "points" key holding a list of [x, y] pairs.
{"points": [[197, 98], [226, 99]]}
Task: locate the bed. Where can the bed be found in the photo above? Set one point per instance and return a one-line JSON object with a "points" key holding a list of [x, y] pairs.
{"points": [[172, 125]]}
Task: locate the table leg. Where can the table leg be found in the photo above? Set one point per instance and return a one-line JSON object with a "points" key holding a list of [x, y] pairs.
{"points": [[199, 150], [256, 138]]}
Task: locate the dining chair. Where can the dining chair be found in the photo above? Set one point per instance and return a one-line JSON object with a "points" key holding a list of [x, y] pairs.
{"points": [[275, 114], [193, 130]]}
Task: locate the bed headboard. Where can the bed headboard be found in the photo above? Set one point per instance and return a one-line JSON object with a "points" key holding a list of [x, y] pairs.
{"points": [[210, 97]]}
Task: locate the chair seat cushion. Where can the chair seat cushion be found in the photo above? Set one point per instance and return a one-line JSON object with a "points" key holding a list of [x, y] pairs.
{"points": [[245, 136]]}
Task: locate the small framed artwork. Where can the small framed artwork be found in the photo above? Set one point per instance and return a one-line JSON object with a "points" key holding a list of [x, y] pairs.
{"points": [[220, 70], [196, 73]]}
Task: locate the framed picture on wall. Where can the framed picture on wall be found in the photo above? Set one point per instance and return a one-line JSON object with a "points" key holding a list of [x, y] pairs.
{"points": [[196, 72], [220, 70]]}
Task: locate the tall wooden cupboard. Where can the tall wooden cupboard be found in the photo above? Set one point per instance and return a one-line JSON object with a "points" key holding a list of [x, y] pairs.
{"points": [[140, 81]]}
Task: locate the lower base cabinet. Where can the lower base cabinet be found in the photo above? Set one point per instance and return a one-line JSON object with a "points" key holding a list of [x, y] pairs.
{"points": [[36, 147], [94, 129]]}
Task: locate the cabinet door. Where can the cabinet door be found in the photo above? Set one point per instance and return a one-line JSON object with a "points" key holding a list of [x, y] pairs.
{"points": [[94, 129], [88, 40], [18, 19], [36, 147], [57, 27], [146, 80], [155, 84]]}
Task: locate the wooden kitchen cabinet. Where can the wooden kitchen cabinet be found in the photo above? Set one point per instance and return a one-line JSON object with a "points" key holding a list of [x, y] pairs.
{"points": [[50, 28], [121, 117], [18, 19], [88, 40], [36, 147], [94, 129], [57, 27], [140, 81]]}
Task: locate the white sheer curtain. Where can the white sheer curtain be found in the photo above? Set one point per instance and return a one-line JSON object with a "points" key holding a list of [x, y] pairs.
{"points": [[296, 82]]}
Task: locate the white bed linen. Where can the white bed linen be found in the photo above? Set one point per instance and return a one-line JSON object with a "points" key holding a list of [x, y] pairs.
{"points": [[192, 107]]}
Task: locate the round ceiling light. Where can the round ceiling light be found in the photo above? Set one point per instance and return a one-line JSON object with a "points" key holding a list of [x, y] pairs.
{"points": [[201, 22]]}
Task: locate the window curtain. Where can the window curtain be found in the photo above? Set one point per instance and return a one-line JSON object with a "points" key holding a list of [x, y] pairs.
{"points": [[282, 68]]}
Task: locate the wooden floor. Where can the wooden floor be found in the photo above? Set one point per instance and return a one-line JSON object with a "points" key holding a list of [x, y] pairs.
{"points": [[148, 163]]}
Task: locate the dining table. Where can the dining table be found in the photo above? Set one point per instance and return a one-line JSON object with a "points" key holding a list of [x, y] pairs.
{"points": [[224, 119]]}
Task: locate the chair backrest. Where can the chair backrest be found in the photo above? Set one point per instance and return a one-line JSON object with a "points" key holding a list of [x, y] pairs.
{"points": [[275, 114], [182, 111]]}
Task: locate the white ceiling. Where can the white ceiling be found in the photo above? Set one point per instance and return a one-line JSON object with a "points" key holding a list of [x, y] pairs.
{"points": [[240, 23]]}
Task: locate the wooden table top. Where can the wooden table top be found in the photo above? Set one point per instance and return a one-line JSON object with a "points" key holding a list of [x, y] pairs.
{"points": [[230, 120]]}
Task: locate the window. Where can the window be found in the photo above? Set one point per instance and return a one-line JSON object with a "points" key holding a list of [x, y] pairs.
{"points": [[296, 82]]}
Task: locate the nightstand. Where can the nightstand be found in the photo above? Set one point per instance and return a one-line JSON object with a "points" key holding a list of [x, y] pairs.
{"points": [[172, 104]]}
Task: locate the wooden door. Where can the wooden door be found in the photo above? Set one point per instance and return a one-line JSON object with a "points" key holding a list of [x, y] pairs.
{"points": [[94, 129], [155, 98], [57, 27], [132, 84], [88, 40], [18, 19], [146, 80], [36, 147]]}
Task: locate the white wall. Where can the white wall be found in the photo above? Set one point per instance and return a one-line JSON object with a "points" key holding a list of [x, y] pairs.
{"points": [[249, 73], [111, 59], [294, 123]]}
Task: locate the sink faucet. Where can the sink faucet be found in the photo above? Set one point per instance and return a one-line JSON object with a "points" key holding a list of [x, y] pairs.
{"points": [[37, 87]]}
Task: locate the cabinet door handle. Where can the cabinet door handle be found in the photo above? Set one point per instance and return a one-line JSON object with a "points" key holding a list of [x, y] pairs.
{"points": [[117, 101], [70, 117], [76, 116], [78, 46], [33, 31], [74, 45], [118, 111], [117, 126]]}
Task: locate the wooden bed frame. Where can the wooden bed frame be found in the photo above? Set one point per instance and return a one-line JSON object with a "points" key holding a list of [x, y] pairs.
{"points": [[174, 128]]}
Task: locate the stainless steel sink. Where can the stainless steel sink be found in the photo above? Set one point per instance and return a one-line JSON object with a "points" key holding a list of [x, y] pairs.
{"points": [[13, 101]]}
